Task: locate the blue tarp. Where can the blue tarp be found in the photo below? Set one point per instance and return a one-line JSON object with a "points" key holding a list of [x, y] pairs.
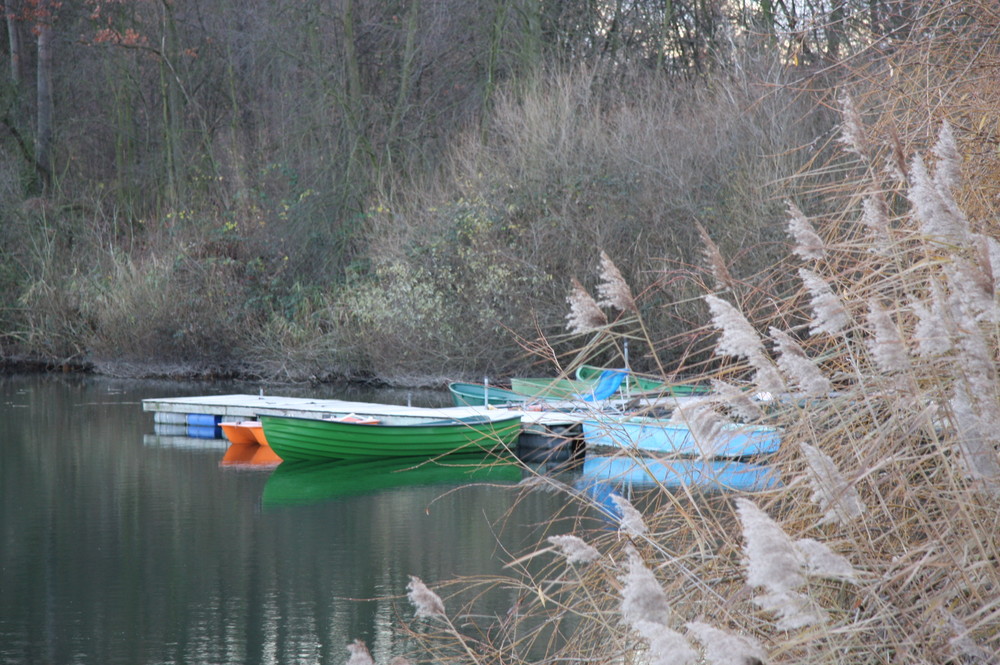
{"points": [[607, 384]]}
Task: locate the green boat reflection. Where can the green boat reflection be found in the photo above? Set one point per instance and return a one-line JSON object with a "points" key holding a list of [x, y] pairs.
{"points": [[304, 482]]}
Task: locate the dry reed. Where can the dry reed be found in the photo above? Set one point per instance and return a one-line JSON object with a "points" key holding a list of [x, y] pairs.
{"points": [[880, 545]]}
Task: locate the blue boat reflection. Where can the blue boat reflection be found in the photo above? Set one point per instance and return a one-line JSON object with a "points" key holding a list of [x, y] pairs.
{"points": [[602, 477]]}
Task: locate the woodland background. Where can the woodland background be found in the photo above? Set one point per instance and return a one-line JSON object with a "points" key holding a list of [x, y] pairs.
{"points": [[404, 189]]}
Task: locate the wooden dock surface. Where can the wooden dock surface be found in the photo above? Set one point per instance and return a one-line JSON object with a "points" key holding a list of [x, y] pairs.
{"points": [[241, 407]]}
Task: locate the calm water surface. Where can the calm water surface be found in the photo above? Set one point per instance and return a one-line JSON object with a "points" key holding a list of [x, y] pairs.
{"points": [[119, 546]]}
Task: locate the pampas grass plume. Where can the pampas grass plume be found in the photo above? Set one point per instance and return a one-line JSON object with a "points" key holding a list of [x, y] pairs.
{"points": [[988, 256], [738, 337], [798, 367], [931, 333], [838, 499], [875, 216], [852, 132], [613, 289], [706, 426], [948, 168], [736, 400], [933, 206], [426, 602], [666, 646], [975, 424], [585, 314], [771, 558], [713, 257], [724, 648], [767, 378], [821, 561], [886, 345], [808, 244], [575, 549], [643, 599], [829, 314], [631, 521], [794, 609], [970, 286]]}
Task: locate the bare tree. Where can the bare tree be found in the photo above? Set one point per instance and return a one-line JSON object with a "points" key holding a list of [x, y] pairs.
{"points": [[45, 109]]}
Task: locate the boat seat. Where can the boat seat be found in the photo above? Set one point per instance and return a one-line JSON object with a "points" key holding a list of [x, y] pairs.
{"points": [[607, 384]]}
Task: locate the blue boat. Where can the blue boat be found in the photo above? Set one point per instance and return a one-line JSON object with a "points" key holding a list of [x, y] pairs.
{"points": [[660, 435]]}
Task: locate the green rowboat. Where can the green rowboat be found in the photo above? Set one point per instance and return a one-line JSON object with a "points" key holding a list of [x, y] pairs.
{"points": [[601, 384], [550, 389], [642, 384], [391, 436]]}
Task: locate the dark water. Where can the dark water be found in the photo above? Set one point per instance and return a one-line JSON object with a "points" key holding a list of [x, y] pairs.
{"points": [[121, 547]]}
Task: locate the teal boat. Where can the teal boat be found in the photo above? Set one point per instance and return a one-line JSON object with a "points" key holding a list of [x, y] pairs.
{"points": [[389, 436], [475, 394], [297, 483]]}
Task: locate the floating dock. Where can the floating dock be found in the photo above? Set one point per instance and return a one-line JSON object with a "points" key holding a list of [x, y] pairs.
{"points": [[187, 410]]}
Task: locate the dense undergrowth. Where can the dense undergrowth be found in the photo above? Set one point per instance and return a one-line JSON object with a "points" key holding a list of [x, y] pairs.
{"points": [[456, 268]]}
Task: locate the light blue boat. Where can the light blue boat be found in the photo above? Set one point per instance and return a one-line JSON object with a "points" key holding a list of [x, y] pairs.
{"points": [[641, 433]]}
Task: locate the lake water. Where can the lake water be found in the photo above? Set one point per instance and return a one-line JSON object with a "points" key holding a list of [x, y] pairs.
{"points": [[120, 546]]}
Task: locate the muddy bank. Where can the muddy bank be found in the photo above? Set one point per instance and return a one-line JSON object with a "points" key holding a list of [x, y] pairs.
{"points": [[175, 371]]}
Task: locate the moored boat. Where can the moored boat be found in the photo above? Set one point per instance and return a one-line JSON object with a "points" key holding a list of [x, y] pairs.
{"points": [[474, 394], [642, 384], [545, 388], [392, 436], [604, 386], [242, 431], [665, 436]]}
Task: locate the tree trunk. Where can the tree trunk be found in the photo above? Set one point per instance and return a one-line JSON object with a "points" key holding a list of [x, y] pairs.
{"points": [[835, 30], [43, 135], [172, 107], [405, 74], [12, 14]]}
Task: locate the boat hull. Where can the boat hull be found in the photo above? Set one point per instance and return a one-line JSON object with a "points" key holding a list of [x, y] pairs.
{"points": [[473, 394], [242, 432], [543, 388], [317, 439], [652, 434], [587, 378]]}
